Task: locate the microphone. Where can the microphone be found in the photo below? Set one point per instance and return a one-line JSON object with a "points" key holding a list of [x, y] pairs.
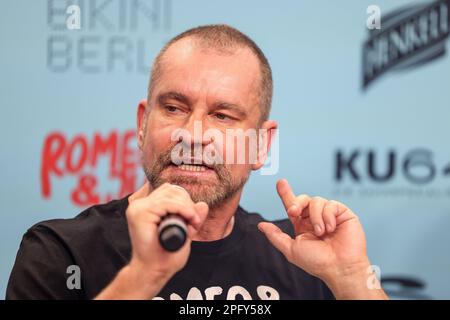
{"points": [[172, 232]]}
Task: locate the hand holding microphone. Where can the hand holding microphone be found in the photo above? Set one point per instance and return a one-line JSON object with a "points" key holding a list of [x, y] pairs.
{"points": [[161, 225], [172, 232]]}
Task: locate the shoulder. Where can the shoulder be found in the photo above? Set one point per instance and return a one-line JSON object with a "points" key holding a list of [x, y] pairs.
{"points": [[97, 237], [98, 232], [95, 221]]}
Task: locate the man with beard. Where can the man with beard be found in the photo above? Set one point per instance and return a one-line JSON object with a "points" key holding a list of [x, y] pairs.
{"points": [[216, 77]]}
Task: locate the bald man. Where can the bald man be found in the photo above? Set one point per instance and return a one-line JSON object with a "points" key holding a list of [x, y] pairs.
{"points": [[215, 78]]}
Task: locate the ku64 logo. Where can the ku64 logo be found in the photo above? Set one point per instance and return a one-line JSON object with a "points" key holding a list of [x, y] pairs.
{"points": [[417, 166]]}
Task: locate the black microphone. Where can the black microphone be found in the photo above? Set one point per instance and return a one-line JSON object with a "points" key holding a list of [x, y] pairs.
{"points": [[172, 232]]}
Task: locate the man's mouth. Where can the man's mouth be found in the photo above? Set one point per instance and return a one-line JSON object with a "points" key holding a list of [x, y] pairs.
{"points": [[192, 167]]}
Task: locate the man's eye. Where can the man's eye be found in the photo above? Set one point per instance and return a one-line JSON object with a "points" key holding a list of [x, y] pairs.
{"points": [[222, 116], [171, 109]]}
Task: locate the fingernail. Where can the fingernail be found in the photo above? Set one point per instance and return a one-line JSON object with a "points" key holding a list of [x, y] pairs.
{"points": [[318, 229], [259, 228], [329, 227]]}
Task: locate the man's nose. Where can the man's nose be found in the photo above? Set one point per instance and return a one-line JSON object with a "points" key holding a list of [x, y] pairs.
{"points": [[196, 126]]}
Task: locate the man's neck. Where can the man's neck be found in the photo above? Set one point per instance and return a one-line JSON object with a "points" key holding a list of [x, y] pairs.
{"points": [[220, 220]]}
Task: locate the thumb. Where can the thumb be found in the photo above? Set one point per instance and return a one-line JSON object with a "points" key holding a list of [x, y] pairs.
{"points": [[280, 240], [202, 210]]}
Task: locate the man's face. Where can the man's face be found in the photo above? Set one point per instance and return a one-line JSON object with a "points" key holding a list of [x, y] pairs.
{"points": [[203, 88]]}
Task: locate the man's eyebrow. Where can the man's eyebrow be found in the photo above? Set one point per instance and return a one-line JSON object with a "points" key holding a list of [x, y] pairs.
{"points": [[232, 107], [174, 96]]}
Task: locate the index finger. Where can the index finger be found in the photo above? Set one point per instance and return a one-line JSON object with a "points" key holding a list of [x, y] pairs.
{"points": [[286, 194]]}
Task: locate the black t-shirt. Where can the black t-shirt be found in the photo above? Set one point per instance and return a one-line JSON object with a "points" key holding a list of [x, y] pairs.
{"points": [[243, 265]]}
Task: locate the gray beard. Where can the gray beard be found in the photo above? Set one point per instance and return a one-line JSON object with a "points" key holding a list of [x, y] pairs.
{"points": [[214, 194]]}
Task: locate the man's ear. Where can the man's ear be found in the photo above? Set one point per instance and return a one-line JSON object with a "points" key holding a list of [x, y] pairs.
{"points": [[142, 106], [265, 135]]}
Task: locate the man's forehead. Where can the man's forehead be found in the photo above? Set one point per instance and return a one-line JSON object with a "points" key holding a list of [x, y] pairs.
{"points": [[189, 64], [185, 47], [189, 50], [180, 49]]}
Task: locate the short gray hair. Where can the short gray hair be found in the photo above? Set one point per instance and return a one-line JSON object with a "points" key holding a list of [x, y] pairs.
{"points": [[223, 38]]}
